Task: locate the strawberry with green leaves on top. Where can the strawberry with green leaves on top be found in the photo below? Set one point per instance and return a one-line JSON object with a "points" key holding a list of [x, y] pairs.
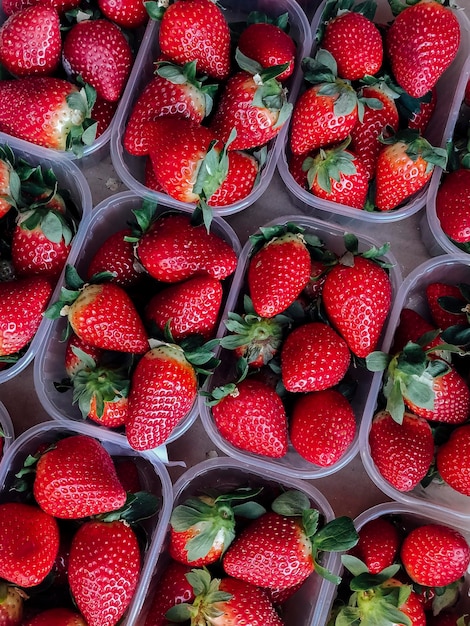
{"points": [[172, 588], [116, 255], [76, 353]]}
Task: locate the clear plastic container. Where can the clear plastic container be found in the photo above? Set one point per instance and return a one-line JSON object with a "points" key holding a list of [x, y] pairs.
{"points": [[6, 426], [131, 169], [310, 604], [439, 497], [152, 473], [444, 116], [292, 464], [108, 217], [70, 178]]}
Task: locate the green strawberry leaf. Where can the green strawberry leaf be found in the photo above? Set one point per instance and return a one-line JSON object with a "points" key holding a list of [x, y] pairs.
{"points": [[395, 403], [348, 616], [353, 564], [378, 361], [291, 503], [366, 580], [336, 536], [138, 506], [421, 393]]}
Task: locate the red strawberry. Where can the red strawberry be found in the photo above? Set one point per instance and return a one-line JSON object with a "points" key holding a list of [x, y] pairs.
{"points": [[402, 452], [11, 605], [47, 111], [451, 205], [190, 307], [421, 43], [296, 169], [116, 255], [175, 91], [435, 555], [313, 357], [20, 566], [378, 544], [404, 166], [9, 182], [128, 474], [196, 30], [452, 460], [56, 617], [412, 607], [442, 318], [150, 180], [125, 13], [163, 390], [420, 119], [77, 478], [98, 51], [30, 41], [411, 327], [255, 106], [278, 272], [103, 113], [356, 44], [251, 416], [243, 170], [13, 6], [76, 352], [22, 304], [322, 427], [104, 569], [269, 45], [172, 588]]}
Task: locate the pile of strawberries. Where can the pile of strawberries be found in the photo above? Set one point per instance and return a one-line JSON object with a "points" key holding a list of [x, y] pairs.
{"points": [[357, 130], [421, 432], [38, 220], [404, 570], [80, 513]]}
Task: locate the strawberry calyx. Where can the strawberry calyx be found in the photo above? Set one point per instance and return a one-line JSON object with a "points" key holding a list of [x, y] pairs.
{"points": [[351, 244], [54, 225], [138, 506], [416, 147], [82, 129], [328, 165]]}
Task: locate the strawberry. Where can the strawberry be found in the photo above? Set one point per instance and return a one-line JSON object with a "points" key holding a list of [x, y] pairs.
{"points": [[237, 601], [56, 617], [327, 111], [98, 51], [128, 474], [279, 549], [172, 249], [41, 242], [251, 416], [420, 118], [440, 293], [277, 271], [402, 452], [175, 91], [101, 314], [22, 304], [125, 13], [448, 618], [47, 111], [61, 6], [435, 555], [322, 427], [378, 544], [338, 175], [243, 171], [196, 30], [104, 569], [150, 180], [296, 170], [77, 478], [172, 588], [313, 357], [116, 255], [26, 568], [404, 166], [163, 390], [411, 327], [421, 43], [103, 113], [269, 45], [11, 605], [451, 206], [9, 181], [452, 460], [76, 352], [190, 307], [355, 42], [30, 41]]}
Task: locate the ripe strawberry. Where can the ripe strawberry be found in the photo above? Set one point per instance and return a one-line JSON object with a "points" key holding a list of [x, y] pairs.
{"points": [[322, 427], [56, 617], [172, 588], [76, 352], [402, 452], [338, 175], [278, 272], [174, 91], [313, 357], [355, 43], [104, 569], [411, 327], [150, 180], [47, 111], [435, 555], [451, 205], [420, 119], [61, 6], [412, 607], [269, 45], [252, 417], [116, 255], [296, 170], [22, 304], [77, 478], [101, 314], [103, 113], [440, 316], [125, 13], [196, 30], [21, 567], [452, 460], [163, 390], [30, 41], [421, 43], [404, 166], [189, 308], [9, 182], [326, 112], [378, 544], [98, 51], [243, 170], [172, 249], [11, 605]]}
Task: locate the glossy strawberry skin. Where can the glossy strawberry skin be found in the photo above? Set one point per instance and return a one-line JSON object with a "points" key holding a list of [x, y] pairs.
{"points": [[378, 544], [116, 255], [441, 318], [125, 13], [411, 327], [13, 6], [452, 203], [452, 460], [269, 45], [56, 617], [172, 588], [248, 605]]}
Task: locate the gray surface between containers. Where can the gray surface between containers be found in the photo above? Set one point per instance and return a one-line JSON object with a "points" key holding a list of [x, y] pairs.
{"points": [[349, 491]]}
